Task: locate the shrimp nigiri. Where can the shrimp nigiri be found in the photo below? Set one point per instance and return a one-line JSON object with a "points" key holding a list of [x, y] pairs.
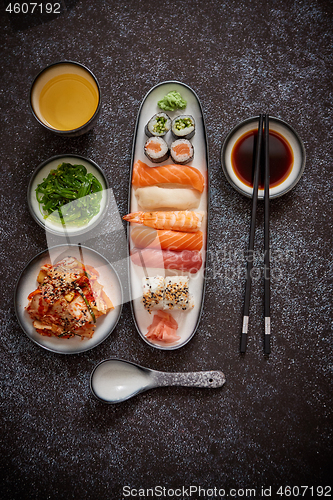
{"points": [[182, 220]]}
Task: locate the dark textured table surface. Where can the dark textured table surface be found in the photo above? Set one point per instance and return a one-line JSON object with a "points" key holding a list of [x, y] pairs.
{"points": [[270, 425]]}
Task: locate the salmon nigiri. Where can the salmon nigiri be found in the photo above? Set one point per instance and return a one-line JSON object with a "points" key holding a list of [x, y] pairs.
{"points": [[144, 237], [143, 175]]}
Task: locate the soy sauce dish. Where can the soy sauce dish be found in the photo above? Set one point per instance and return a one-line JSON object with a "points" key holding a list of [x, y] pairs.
{"points": [[287, 157]]}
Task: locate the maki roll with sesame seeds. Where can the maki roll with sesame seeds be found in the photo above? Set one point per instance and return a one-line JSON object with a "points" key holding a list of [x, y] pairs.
{"points": [[182, 151], [167, 293], [153, 292], [183, 127], [177, 294], [156, 149], [158, 125]]}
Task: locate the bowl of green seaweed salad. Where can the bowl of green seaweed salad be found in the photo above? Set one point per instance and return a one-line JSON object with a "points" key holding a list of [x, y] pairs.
{"points": [[67, 195]]}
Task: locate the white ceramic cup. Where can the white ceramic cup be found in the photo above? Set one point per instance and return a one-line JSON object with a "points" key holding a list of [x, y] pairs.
{"points": [[74, 103]]}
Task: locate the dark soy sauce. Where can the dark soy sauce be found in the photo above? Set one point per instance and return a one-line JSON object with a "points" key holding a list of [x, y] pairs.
{"points": [[281, 158]]}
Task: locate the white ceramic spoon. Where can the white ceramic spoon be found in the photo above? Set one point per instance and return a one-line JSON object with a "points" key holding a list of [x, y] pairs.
{"points": [[115, 380]]}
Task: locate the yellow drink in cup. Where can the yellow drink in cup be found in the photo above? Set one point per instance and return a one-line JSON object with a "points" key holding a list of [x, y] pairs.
{"points": [[65, 98]]}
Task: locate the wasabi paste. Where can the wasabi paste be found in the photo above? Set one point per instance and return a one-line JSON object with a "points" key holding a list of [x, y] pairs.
{"points": [[172, 101]]}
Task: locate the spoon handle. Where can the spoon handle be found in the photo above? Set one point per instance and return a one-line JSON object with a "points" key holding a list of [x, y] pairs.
{"points": [[211, 379]]}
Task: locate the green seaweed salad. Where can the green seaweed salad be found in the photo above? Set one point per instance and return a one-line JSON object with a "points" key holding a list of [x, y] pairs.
{"points": [[71, 194]]}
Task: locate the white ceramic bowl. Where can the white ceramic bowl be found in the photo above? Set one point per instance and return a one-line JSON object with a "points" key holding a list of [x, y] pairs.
{"points": [[42, 171], [108, 277], [288, 133]]}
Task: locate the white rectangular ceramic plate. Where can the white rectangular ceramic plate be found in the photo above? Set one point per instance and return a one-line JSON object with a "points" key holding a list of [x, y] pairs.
{"points": [[187, 321]]}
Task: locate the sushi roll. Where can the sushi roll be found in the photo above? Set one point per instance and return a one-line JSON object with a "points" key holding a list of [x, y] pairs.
{"points": [[153, 292], [156, 149], [158, 125], [167, 293], [182, 151], [183, 127], [176, 293]]}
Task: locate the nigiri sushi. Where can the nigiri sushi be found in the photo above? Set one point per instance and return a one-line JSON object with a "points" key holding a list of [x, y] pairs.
{"points": [[144, 237], [183, 175], [187, 260], [153, 197], [180, 220]]}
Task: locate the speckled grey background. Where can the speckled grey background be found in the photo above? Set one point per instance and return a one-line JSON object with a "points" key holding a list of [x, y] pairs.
{"points": [[270, 425]]}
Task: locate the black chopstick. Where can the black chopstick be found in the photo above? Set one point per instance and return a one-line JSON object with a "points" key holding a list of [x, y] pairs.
{"points": [[251, 240], [267, 338]]}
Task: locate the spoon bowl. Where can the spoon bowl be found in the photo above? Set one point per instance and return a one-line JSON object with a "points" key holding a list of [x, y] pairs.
{"points": [[115, 380]]}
